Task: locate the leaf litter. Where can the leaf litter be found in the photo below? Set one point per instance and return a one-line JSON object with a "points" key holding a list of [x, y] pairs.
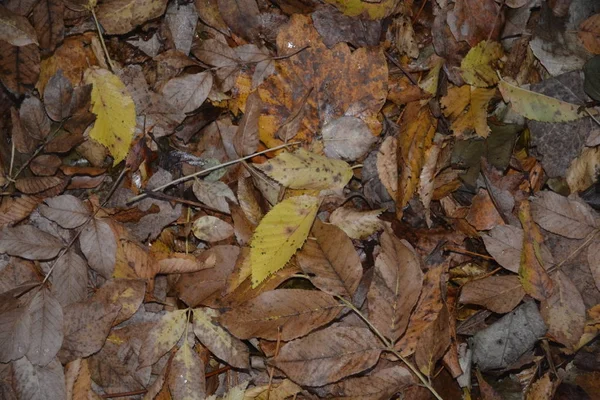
{"points": [[242, 200]]}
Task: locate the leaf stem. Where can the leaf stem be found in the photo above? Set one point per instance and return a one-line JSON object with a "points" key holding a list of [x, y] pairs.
{"points": [[207, 170], [110, 63], [390, 347]]}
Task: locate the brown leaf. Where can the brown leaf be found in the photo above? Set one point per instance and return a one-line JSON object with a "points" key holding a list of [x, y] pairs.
{"points": [[542, 389], [426, 312], [433, 342], [178, 263], [58, 95], [357, 224], [46, 328], [331, 261], [19, 67], [475, 20], [220, 342], [162, 337], [38, 184], [416, 137], [505, 243], [69, 279], [34, 118], [48, 23], [99, 246], [14, 209], [127, 293], [199, 287], [217, 54], [246, 139], [16, 29], [564, 312], [285, 313], [499, 294], [214, 194], [181, 20], [186, 378], [483, 215], [87, 325], [381, 383], [593, 257], [532, 273], [29, 242], [328, 355], [66, 210], [122, 16], [188, 92], [35, 382], [212, 229], [563, 216], [242, 17], [15, 331], [347, 138], [487, 391], [396, 285], [23, 141], [45, 165], [387, 165], [589, 33]]}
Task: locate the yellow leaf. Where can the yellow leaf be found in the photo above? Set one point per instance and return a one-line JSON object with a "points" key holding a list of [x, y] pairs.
{"points": [[539, 107], [583, 171], [115, 112], [162, 337], [280, 233], [467, 107], [305, 170], [480, 64]]}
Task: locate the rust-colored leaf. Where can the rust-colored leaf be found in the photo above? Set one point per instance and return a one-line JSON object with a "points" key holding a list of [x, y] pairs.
{"points": [[433, 342], [37, 184], [14, 209], [396, 286], [328, 355], [331, 261], [499, 294], [284, 313]]}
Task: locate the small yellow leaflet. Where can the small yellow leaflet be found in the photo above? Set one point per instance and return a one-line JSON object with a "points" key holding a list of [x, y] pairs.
{"points": [[280, 233], [115, 112]]}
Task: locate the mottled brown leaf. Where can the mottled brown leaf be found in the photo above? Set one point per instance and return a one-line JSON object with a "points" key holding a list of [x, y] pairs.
{"points": [[15, 327], [33, 382], [564, 312], [188, 92], [499, 294], [45, 165], [14, 209], [19, 67], [69, 279], [186, 378], [220, 342], [66, 210], [34, 118], [246, 139], [122, 16], [178, 263], [46, 328], [433, 342], [23, 141], [48, 23], [127, 293], [29, 242], [328, 355], [99, 246], [58, 95], [16, 29], [284, 313], [396, 285], [475, 20], [87, 325], [347, 138], [566, 217], [214, 194], [331, 261], [505, 243], [242, 17], [38, 184], [357, 224], [387, 165], [162, 337]]}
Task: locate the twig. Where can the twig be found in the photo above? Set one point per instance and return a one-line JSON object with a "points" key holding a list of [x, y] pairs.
{"points": [[401, 68], [586, 242], [390, 347], [110, 63], [466, 252], [206, 171]]}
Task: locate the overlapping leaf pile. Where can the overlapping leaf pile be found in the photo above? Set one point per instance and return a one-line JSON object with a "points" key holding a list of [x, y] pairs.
{"points": [[241, 199]]}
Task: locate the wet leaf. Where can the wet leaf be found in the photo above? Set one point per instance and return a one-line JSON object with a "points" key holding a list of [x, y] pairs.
{"points": [[48, 23], [284, 313], [280, 233]]}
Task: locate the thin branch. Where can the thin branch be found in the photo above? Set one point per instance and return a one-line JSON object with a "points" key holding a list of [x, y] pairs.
{"points": [[582, 246], [206, 171], [110, 63], [401, 68]]}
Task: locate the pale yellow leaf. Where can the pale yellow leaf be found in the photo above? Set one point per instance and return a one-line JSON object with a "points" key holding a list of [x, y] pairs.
{"points": [[305, 170], [357, 224], [162, 337], [280, 233], [583, 171], [115, 112], [211, 229], [479, 65]]}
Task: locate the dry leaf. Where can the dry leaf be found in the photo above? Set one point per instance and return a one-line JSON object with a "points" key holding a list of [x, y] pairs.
{"points": [[99, 246], [162, 337], [499, 294], [69, 279], [57, 96], [16, 29], [186, 377], [66, 210], [188, 92], [214, 194], [285, 313], [347, 138], [127, 293], [29, 242], [14, 209], [563, 216], [211, 229], [387, 165], [34, 382], [122, 16], [15, 332], [46, 328], [505, 244]]}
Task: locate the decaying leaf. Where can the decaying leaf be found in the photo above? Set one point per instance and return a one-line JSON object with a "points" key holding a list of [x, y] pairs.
{"points": [[499, 294], [328, 355], [186, 378], [305, 170], [66, 210], [162, 337], [357, 224], [46, 328], [187, 93], [16, 29], [566, 217], [479, 66], [211, 229], [280, 233], [99, 245], [284, 313], [122, 16], [29, 242]]}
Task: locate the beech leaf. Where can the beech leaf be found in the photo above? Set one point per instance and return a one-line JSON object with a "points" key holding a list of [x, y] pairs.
{"points": [[29, 242], [280, 233]]}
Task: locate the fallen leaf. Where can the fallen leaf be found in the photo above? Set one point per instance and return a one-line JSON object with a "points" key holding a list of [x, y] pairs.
{"points": [[126, 293], [483, 214], [387, 165], [115, 112], [214, 194], [306, 170], [433, 343], [99, 246], [566, 217], [58, 94], [328, 355], [357, 224], [474, 20], [396, 286], [69, 278], [479, 66], [20, 66], [582, 171], [177, 263], [186, 378], [347, 138], [122, 16], [49, 24], [589, 32], [505, 244], [280, 233], [46, 328], [29, 242], [285, 313], [35, 382], [15, 333], [162, 337], [16, 29], [500, 294], [330, 261], [220, 342], [66, 210], [15, 209], [188, 92], [211, 229]]}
